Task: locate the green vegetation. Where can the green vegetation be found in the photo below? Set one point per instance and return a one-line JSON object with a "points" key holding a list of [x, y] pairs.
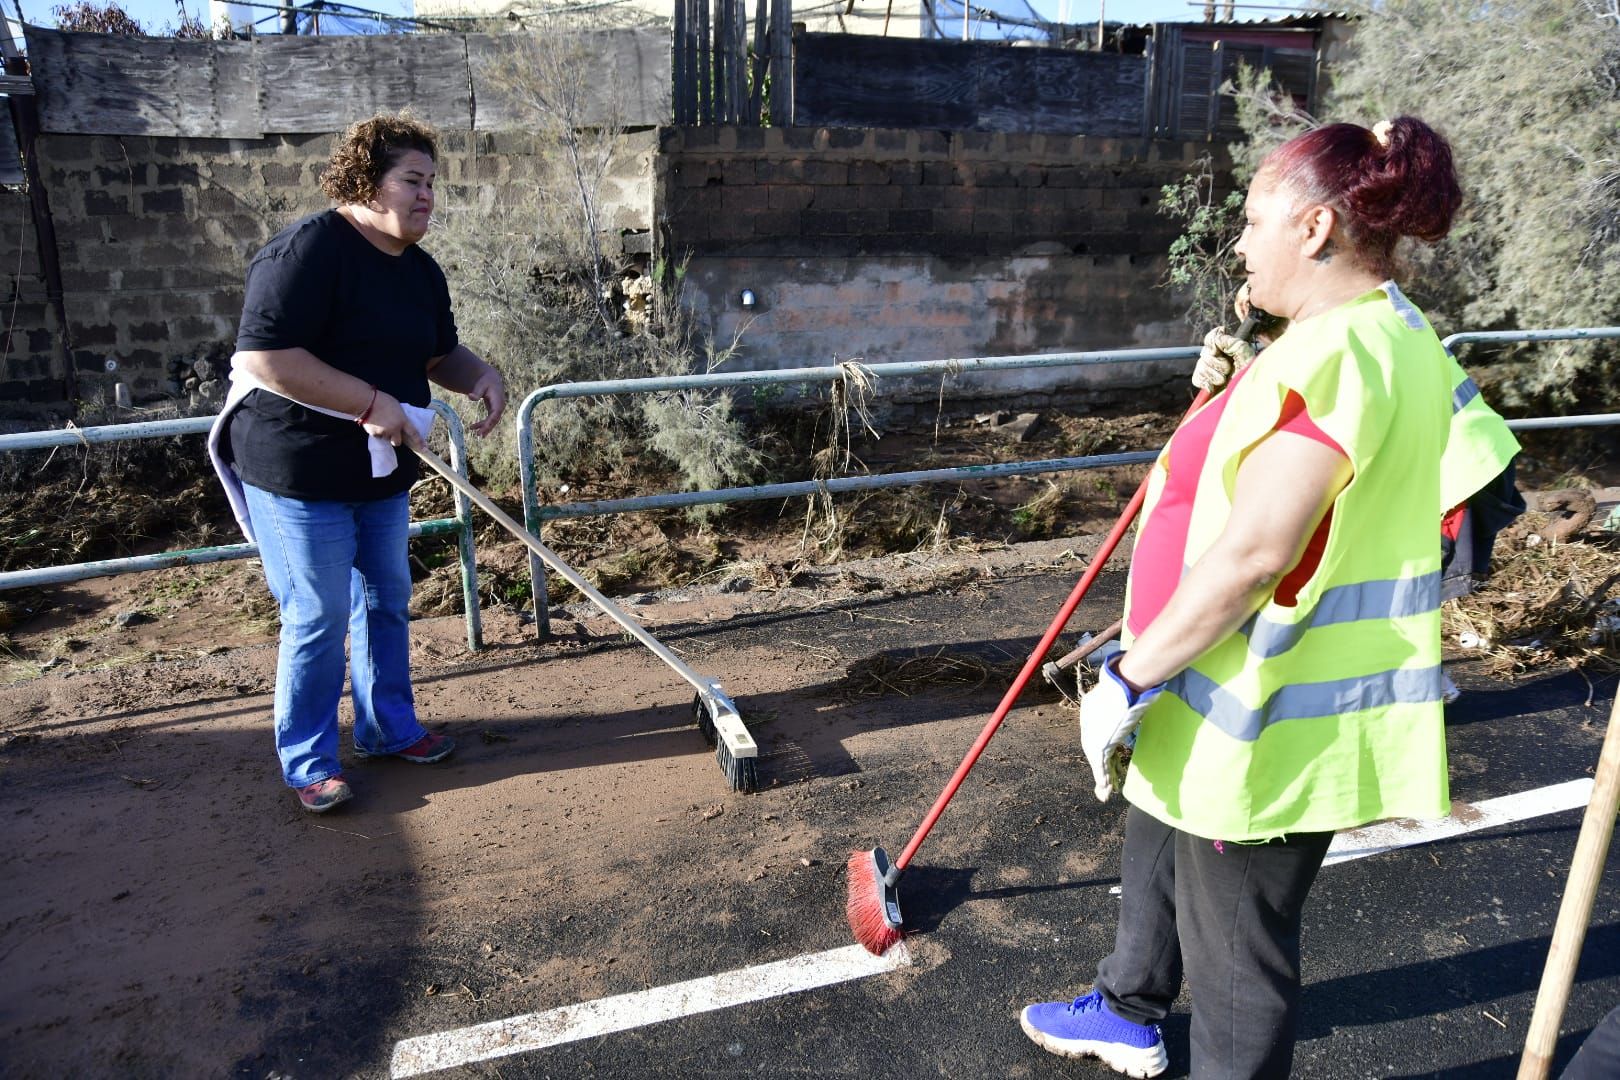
{"points": [[1528, 92], [109, 18]]}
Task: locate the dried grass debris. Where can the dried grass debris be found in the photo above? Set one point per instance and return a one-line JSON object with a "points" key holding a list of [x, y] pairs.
{"points": [[1546, 603], [888, 673]]}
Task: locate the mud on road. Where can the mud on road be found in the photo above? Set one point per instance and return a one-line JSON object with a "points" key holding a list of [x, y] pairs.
{"points": [[170, 911]]}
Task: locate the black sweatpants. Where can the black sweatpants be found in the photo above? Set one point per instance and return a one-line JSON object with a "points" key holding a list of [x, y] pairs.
{"points": [[1229, 914], [1599, 1056]]}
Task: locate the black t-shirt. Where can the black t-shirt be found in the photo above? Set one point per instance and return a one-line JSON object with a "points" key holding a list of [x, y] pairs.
{"points": [[322, 286]]}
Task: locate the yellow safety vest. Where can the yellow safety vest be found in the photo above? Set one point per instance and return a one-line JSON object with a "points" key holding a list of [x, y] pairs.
{"points": [[1480, 445], [1326, 714]]}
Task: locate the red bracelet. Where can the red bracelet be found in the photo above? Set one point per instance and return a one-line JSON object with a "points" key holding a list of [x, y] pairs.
{"points": [[363, 417]]}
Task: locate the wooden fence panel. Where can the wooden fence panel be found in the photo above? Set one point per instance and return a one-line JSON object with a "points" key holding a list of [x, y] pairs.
{"points": [[625, 76], [327, 83], [854, 80], [739, 67], [100, 84]]}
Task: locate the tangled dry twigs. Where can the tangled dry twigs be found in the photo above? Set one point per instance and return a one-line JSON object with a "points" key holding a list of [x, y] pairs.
{"points": [[1545, 603]]}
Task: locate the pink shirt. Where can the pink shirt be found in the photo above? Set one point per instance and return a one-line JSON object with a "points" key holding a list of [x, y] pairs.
{"points": [[1161, 546]]}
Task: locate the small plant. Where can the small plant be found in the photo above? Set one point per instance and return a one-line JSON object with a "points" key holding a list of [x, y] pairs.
{"points": [[90, 17], [1202, 267], [1040, 515]]}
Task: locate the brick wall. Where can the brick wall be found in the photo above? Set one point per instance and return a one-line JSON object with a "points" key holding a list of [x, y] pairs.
{"points": [[911, 245]]}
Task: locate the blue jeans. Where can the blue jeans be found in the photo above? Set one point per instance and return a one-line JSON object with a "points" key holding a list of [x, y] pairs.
{"points": [[336, 567]]}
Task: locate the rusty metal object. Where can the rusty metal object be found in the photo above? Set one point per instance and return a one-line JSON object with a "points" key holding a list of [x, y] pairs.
{"points": [[1570, 511]]}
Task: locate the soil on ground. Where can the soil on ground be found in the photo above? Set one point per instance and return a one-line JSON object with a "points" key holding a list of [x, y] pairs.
{"points": [[145, 809]]}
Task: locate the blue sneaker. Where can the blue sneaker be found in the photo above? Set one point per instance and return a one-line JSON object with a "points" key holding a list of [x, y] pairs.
{"points": [[1086, 1027]]}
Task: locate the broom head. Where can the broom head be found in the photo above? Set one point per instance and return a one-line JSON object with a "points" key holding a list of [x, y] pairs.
{"points": [[874, 902]]}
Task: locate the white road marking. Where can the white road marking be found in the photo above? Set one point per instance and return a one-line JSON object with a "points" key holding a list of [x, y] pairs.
{"points": [[1384, 836], [481, 1042], [535, 1031]]}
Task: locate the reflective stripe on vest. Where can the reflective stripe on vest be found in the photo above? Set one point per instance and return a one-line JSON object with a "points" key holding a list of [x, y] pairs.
{"points": [[1392, 599], [1304, 701], [1462, 394]]}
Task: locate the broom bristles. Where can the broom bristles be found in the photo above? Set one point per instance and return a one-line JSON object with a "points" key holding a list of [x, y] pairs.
{"points": [[865, 906]]}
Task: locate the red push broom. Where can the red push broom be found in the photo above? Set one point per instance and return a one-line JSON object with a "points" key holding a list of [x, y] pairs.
{"points": [[874, 898]]}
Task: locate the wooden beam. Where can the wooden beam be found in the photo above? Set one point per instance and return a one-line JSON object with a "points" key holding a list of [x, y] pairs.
{"points": [[705, 66], [781, 63], [761, 58]]}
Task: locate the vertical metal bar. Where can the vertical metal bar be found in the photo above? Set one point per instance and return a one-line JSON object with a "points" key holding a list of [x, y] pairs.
{"points": [[531, 510], [464, 533]]}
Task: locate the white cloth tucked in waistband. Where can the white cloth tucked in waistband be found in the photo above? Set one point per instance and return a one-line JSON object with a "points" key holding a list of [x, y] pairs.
{"points": [[384, 459]]}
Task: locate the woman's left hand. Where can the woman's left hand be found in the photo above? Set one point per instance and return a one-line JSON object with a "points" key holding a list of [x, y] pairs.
{"points": [[491, 390]]}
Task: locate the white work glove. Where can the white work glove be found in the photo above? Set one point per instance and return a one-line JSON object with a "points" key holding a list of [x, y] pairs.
{"points": [[1223, 356], [1109, 715]]}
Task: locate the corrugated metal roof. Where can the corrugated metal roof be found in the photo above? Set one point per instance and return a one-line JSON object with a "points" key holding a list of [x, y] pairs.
{"points": [[1282, 18]]}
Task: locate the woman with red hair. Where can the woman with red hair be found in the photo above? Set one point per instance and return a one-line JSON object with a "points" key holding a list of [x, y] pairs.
{"points": [[1281, 672]]}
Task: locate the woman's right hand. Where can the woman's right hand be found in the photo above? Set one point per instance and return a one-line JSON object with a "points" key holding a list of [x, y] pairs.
{"points": [[388, 421], [1222, 355]]}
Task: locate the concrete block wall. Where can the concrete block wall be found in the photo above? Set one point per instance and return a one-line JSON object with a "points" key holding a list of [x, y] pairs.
{"points": [[31, 374], [154, 236], [845, 191], [900, 245]]}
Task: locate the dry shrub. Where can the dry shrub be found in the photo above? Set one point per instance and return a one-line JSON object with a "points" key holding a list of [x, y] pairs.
{"points": [[1550, 603], [539, 289]]}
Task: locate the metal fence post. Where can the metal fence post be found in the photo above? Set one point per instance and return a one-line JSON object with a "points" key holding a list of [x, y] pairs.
{"points": [[464, 534]]}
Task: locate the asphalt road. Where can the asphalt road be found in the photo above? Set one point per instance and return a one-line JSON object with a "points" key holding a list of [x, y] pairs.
{"points": [[1420, 962], [169, 912]]}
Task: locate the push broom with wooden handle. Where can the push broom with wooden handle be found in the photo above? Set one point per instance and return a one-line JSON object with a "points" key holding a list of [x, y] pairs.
{"points": [[1574, 911]]}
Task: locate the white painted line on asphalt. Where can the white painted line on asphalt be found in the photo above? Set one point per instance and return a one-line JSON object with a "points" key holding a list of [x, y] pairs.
{"points": [[499, 1038], [1385, 836], [535, 1031]]}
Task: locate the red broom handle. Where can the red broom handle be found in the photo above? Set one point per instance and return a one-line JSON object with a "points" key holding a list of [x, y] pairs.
{"points": [[1011, 697]]}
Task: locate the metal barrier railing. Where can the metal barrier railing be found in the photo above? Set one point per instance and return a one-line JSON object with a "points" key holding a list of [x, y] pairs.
{"points": [[535, 515], [460, 525]]}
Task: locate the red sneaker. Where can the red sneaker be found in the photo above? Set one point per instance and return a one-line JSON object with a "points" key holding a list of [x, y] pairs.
{"points": [[424, 751], [323, 795]]}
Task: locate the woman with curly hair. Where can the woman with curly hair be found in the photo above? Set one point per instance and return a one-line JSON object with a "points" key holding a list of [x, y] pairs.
{"points": [[344, 323]]}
